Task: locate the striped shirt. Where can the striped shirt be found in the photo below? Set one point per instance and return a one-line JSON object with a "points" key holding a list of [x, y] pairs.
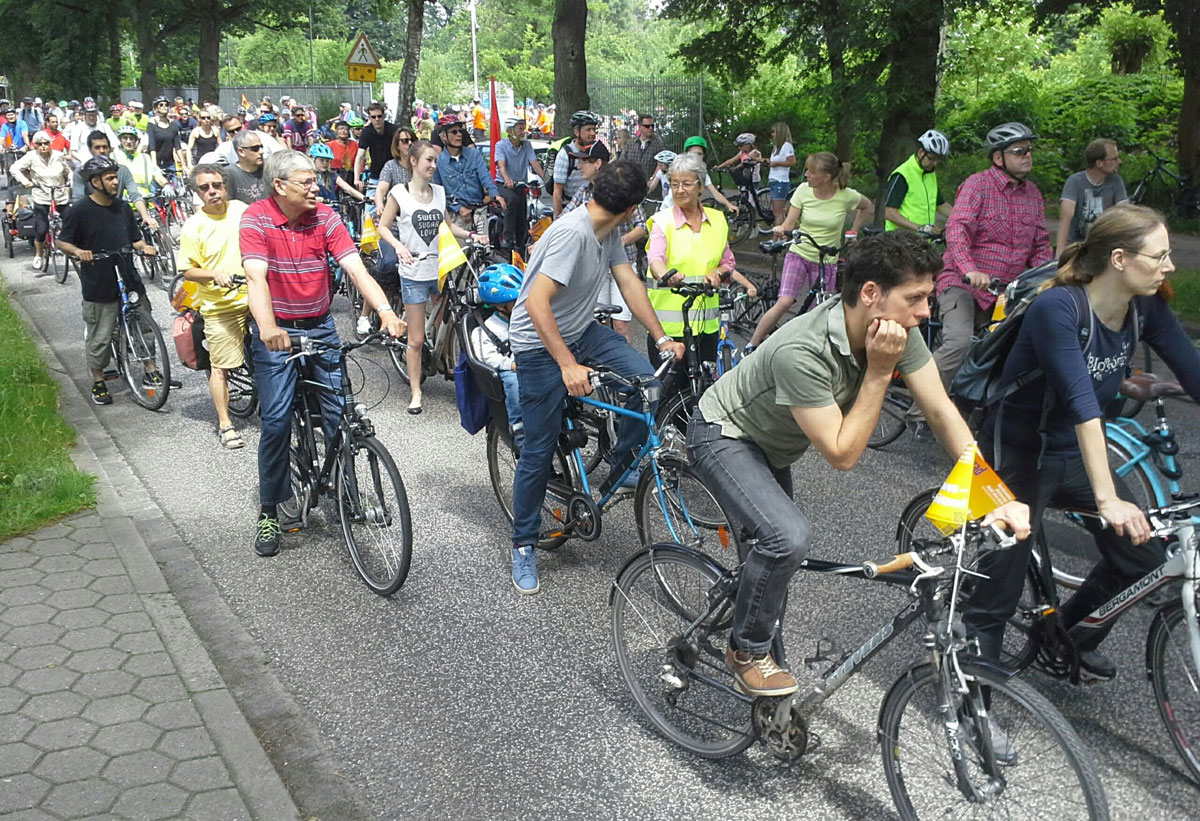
{"points": [[998, 228], [297, 255]]}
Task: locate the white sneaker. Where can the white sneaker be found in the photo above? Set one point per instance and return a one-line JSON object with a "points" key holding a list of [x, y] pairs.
{"points": [[38, 262], [364, 325]]}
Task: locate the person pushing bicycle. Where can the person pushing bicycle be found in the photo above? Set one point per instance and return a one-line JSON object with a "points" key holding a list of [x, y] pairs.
{"points": [[819, 381]]}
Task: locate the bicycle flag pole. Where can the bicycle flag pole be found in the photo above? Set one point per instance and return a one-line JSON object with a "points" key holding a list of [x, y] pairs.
{"points": [[971, 490], [450, 253], [494, 134]]}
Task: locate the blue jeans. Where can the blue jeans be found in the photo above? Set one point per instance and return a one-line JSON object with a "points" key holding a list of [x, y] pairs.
{"points": [[542, 396], [512, 398], [276, 382], [775, 535]]}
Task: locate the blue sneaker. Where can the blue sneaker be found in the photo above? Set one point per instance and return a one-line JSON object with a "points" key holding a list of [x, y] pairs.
{"points": [[524, 571]]}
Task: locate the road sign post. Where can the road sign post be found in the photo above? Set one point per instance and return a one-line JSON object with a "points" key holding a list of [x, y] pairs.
{"points": [[362, 64]]}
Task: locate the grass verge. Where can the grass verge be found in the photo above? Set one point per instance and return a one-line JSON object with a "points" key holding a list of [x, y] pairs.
{"points": [[1186, 302], [38, 480]]}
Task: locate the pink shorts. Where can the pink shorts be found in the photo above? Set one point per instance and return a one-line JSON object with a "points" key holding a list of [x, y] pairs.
{"points": [[799, 275]]}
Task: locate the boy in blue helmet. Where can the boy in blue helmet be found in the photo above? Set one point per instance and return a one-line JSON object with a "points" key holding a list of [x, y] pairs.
{"points": [[499, 286]]}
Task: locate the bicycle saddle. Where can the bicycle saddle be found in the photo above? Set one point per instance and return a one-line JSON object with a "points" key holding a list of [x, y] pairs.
{"points": [[605, 310], [1146, 386]]}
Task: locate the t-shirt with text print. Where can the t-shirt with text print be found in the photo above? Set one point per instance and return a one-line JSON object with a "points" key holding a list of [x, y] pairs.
{"points": [[417, 229]]}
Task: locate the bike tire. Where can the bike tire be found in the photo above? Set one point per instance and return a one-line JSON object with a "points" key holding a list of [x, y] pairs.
{"points": [[374, 514], [677, 410], [685, 512], [56, 261], [243, 393], [164, 260], [726, 360], [142, 343], [655, 597], [891, 423], [1053, 775], [398, 354], [302, 456], [502, 464], [1173, 676]]}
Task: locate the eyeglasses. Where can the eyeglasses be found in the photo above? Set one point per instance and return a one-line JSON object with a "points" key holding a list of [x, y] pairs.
{"points": [[213, 186], [252, 147], [311, 182], [1159, 259], [683, 184], [1019, 152], [205, 119], [128, 137], [41, 142]]}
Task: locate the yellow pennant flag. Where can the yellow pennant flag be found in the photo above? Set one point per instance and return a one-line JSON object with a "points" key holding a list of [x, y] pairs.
{"points": [[450, 253], [369, 243], [972, 490], [245, 102]]}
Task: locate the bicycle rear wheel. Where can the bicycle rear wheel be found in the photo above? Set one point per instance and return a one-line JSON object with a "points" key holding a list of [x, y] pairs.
{"points": [[1052, 775], [1176, 682], [685, 512], [399, 356], [146, 365], [373, 508], [890, 426], [655, 597], [502, 468], [302, 460], [243, 394]]}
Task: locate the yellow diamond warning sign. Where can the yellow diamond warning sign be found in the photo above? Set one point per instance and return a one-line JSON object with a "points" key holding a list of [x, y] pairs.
{"points": [[362, 54]]}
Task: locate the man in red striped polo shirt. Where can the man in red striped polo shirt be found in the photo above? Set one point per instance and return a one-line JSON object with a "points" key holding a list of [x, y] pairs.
{"points": [[287, 239]]}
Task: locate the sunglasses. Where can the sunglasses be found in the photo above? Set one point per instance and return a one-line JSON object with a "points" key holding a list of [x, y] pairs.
{"points": [[647, 125], [205, 119], [376, 117], [252, 147], [212, 186], [41, 142], [404, 139], [233, 130], [1019, 152], [454, 132]]}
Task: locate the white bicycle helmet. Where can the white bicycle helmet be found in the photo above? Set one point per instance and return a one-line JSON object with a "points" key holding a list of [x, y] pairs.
{"points": [[934, 142], [745, 138], [665, 157]]}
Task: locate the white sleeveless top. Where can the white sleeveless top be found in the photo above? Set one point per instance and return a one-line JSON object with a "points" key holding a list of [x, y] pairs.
{"points": [[417, 228]]}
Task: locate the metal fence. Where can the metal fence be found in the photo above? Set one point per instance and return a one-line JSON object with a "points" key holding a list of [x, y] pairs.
{"points": [[230, 97], [676, 102]]}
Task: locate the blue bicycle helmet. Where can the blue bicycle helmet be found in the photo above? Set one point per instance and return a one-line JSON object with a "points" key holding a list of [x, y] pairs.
{"points": [[320, 151], [267, 118], [500, 283]]}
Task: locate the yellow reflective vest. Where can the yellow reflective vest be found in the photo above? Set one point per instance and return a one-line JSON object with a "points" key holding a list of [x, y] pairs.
{"points": [[693, 255]]}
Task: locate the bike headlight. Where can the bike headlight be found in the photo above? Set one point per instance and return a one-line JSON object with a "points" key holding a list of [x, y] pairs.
{"points": [[134, 296], [360, 409]]}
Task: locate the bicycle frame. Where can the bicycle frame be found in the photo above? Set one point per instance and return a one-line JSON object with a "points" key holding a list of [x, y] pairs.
{"points": [[1153, 453]]}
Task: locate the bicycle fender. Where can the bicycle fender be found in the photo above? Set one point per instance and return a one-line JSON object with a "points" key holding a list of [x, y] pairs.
{"points": [[664, 547]]}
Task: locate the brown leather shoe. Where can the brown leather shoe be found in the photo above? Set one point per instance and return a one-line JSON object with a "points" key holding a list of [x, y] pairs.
{"points": [[759, 675]]}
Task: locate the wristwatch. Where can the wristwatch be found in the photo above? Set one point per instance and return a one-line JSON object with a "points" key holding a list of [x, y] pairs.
{"points": [[658, 343]]}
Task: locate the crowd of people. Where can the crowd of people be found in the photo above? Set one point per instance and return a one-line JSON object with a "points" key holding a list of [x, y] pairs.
{"points": [[269, 182]]}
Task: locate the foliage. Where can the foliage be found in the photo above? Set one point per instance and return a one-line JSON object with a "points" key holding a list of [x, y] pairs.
{"points": [[1186, 303], [38, 481], [281, 58]]}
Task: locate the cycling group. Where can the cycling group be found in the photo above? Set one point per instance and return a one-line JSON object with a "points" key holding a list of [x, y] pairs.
{"points": [[818, 381]]}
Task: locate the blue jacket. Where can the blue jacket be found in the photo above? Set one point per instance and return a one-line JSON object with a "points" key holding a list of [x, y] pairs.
{"points": [[465, 179]]}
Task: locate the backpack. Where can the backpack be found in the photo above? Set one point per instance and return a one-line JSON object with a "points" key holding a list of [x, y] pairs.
{"points": [[548, 163], [187, 330], [25, 223]]}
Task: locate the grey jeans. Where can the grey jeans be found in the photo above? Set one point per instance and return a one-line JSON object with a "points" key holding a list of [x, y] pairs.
{"points": [[774, 538], [962, 318], [100, 320]]}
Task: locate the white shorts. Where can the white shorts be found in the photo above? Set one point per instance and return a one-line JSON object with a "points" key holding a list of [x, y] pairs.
{"points": [[610, 294]]}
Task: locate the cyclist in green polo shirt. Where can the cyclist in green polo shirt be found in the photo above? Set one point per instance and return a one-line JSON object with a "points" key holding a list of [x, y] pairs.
{"points": [[913, 200]]}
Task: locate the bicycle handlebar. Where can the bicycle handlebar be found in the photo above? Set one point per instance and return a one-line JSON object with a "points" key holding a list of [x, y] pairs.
{"points": [[777, 245], [303, 344], [974, 532], [1162, 519], [601, 374]]}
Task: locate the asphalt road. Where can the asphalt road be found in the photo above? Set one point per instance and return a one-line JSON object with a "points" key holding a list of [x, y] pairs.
{"points": [[458, 697]]}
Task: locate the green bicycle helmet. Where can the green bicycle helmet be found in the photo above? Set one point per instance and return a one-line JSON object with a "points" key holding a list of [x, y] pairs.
{"points": [[355, 122], [694, 141]]}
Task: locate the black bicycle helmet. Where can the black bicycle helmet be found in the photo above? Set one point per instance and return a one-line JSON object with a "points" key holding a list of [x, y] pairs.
{"points": [[97, 166], [582, 118], [159, 99], [1002, 136]]}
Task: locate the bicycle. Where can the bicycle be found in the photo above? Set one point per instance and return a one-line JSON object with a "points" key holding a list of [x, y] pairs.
{"points": [[671, 612], [670, 502], [754, 204], [243, 393], [357, 471], [57, 262], [174, 205], [161, 266], [1166, 190], [137, 345]]}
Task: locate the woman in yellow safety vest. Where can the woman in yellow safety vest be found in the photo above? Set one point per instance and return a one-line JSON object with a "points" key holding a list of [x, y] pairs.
{"points": [[695, 242]]}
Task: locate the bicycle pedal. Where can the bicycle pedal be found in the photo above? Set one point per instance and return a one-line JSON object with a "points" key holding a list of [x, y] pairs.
{"points": [[814, 662]]}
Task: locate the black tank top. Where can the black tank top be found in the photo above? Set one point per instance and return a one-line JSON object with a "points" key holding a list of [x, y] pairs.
{"points": [[203, 145]]}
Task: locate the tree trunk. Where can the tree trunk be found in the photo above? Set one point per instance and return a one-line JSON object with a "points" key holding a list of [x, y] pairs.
{"points": [[911, 86], [412, 59], [841, 106], [209, 51], [570, 62], [143, 12], [1184, 19]]}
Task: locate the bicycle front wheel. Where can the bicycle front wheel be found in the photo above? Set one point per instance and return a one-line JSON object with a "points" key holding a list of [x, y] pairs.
{"points": [[684, 512], [502, 469], [164, 259], [373, 508], [1176, 680], [243, 394], [942, 749], [681, 684], [147, 368], [56, 261]]}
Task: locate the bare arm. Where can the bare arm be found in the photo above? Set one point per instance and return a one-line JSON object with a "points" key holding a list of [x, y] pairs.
{"points": [[537, 304], [381, 191], [1066, 214], [863, 212], [1125, 518], [558, 203], [342, 185]]}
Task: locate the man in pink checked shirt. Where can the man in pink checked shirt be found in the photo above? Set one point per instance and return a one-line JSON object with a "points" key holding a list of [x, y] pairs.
{"points": [[997, 230]]}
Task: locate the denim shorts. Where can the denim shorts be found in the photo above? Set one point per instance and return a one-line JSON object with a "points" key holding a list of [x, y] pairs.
{"points": [[780, 189], [416, 291]]}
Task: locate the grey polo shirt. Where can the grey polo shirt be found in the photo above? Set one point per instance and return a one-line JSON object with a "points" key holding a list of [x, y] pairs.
{"points": [[805, 364]]}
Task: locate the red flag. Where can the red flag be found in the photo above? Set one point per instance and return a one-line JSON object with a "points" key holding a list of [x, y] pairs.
{"points": [[494, 126]]}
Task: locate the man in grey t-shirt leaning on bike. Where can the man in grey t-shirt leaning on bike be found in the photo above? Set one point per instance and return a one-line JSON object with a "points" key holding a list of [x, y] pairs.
{"points": [[553, 335]]}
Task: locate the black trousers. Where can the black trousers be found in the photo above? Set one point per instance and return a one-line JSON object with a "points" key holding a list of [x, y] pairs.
{"points": [[676, 377], [516, 226], [1058, 483]]}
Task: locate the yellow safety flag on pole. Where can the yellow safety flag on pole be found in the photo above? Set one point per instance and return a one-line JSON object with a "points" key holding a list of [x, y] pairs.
{"points": [[245, 103], [972, 490], [450, 253]]}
